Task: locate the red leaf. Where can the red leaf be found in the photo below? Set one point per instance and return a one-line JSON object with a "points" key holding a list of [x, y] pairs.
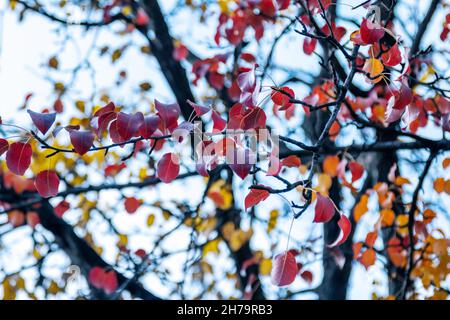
{"points": [[169, 114], [81, 140], [284, 269], [393, 57], [43, 121], [33, 219], [114, 169], [324, 210], [101, 279], [168, 167], [110, 282], [254, 118], [149, 126], [110, 107], [371, 32], [18, 157], [96, 276], [247, 80], [47, 183], [114, 133], [132, 204], [61, 208], [142, 18], [309, 45], [307, 276], [180, 52], [4, 146], [356, 169], [291, 162], [403, 97], [255, 196], [283, 98], [283, 4], [219, 124], [199, 110], [128, 125], [58, 106], [274, 166], [345, 226], [104, 121], [240, 160]]}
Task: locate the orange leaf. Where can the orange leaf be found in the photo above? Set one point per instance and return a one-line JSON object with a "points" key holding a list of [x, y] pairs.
{"points": [[387, 217], [371, 238], [330, 165], [368, 258], [291, 162], [254, 197], [361, 208], [439, 185], [446, 163]]}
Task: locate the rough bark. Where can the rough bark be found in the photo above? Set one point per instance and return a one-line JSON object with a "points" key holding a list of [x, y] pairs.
{"points": [[82, 254]]}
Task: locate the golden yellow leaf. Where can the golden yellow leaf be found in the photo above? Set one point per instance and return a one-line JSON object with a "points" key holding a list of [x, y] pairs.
{"points": [[227, 230], [166, 215], [123, 240], [265, 267], [150, 219], [374, 68], [238, 238], [80, 105], [324, 183], [402, 224], [272, 220], [211, 246]]}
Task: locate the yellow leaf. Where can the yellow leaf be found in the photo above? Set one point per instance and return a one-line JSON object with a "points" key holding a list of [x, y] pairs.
{"points": [[238, 238], [374, 68], [166, 215], [80, 105], [265, 267], [402, 224], [272, 220], [220, 194], [150, 219], [127, 10], [303, 169], [211, 246], [324, 183], [53, 288], [123, 240], [227, 230]]}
